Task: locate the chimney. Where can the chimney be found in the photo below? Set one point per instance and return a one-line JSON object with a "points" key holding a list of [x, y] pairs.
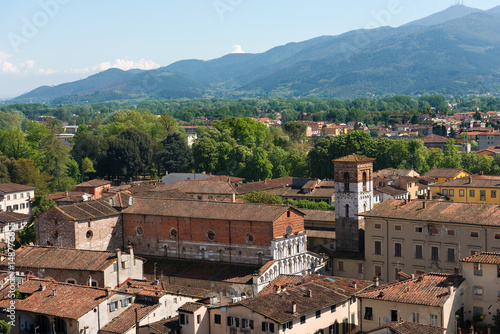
{"points": [[430, 195], [131, 252], [54, 292], [42, 287], [470, 179], [457, 271], [66, 193], [412, 276], [294, 307], [118, 263], [375, 281], [309, 293], [355, 285], [450, 288]]}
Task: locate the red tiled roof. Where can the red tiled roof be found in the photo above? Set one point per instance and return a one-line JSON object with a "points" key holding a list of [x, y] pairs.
{"points": [[430, 290], [165, 326], [71, 301], [392, 191], [354, 158], [246, 188], [475, 181], [126, 320], [484, 257], [62, 258], [207, 209], [432, 138], [191, 307], [437, 211], [405, 327], [318, 215], [165, 288], [204, 186], [444, 172], [13, 187], [10, 217], [87, 210], [93, 183]]}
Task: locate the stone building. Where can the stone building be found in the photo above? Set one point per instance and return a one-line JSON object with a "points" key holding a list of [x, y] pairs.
{"points": [[16, 197], [93, 225]]}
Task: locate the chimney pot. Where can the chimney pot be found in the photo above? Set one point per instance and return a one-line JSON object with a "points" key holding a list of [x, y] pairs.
{"points": [[54, 292], [294, 307], [375, 281], [424, 204], [309, 293]]}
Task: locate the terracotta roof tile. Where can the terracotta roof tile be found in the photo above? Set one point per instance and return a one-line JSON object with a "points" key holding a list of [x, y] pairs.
{"points": [[438, 211], [484, 257], [432, 138], [191, 307], [165, 326], [246, 188], [10, 217], [93, 183], [71, 301], [62, 258], [318, 215], [205, 186], [430, 290], [392, 191], [207, 209], [174, 289], [354, 158], [126, 320], [13, 187], [88, 210], [444, 172], [475, 181], [405, 327]]}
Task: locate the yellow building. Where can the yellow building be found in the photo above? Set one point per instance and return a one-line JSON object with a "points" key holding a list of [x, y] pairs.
{"points": [[446, 174], [475, 189]]}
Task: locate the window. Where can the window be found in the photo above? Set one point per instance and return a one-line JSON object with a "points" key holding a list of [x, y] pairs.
{"points": [[445, 192], [394, 315], [368, 313], [497, 236], [16, 207], [250, 238], [198, 318], [493, 194], [246, 323], [434, 253], [346, 182], [341, 265], [89, 234], [377, 226], [217, 319], [474, 234], [451, 192], [71, 281], [397, 249], [267, 327], [113, 306], [478, 291], [347, 210], [419, 229], [8, 197], [482, 195], [183, 318], [125, 301], [211, 235], [398, 228], [378, 247], [478, 311], [287, 325], [361, 268], [14, 196], [434, 319], [451, 255], [415, 317], [378, 271], [232, 321], [139, 230], [302, 319], [472, 193], [333, 308], [419, 252], [318, 313], [173, 234], [461, 193], [478, 270]]}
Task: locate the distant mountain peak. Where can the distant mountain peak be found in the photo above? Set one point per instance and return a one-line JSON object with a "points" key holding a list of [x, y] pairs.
{"points": [[450, 13]]}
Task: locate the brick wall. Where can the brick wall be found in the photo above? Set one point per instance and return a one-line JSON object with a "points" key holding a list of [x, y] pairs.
{"points": [[54, 228]]}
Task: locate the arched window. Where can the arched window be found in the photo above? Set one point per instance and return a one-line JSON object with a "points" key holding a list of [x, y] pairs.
{"points": [[364, 181], [346, 182], [347, 210]]}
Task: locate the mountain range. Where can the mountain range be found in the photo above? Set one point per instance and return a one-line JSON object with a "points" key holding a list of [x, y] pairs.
{"points": [[456, 51]]}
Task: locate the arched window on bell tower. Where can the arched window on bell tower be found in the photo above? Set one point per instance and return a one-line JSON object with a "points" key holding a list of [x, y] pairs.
{"points": [[346, 182], [347, 210], [364, 181]]}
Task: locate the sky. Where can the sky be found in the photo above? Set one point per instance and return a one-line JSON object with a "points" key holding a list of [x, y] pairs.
{"points": [[48, 42]]}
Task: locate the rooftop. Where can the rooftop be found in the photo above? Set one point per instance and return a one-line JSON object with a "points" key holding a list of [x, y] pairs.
{"points": [[205, 186], [62, 258], [432, 138], [165, 326], [438, 211], [126, 320], [246, 188], [484, 258], [405, 327], [476, 181], [71, 301], [207, 209], [391, 190], [174, 289], [191, 307], [10, 217], [92, 183], [444, 172], [430, 290], [318, 215], [354, 158], [14, 187], [87, 210]]}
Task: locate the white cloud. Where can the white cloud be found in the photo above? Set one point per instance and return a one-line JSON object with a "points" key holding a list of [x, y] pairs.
{"points": [[28, 64], [78, 70], [8, 67], [4, 56], [126, 64], [237, 49], [48, 71]]}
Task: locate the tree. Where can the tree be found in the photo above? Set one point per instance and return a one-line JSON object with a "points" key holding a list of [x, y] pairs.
{"points": [[245, 131], [262, 198], [295, 130], [25, 172], [414, 119], [87, 167], [259, 167], [56, 161], [5, 327], [176, 155], [477, 116], [452, 158], [5, 165]]}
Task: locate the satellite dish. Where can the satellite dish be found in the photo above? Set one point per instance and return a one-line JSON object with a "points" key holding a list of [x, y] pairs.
{"points": [[387, 319]]}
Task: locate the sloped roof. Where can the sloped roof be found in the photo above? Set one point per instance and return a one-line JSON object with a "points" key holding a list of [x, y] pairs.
{"points": [[438, 211], [14, 187], [444, 172], [432, 138], [482, 181], [484, 258], [318, 215], [391, 190], [246, 188], [126, 320], [406, 327], [93, 183], [165, 326], [10, 217], [206, 186], [430, 290], [191, 307], [62, 258], [165, 287], [207, 209], [354, 158], [71, 301], [87, 210]]}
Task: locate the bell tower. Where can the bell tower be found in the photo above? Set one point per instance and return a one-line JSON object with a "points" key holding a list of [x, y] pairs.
{"points": [[353, 195]]}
